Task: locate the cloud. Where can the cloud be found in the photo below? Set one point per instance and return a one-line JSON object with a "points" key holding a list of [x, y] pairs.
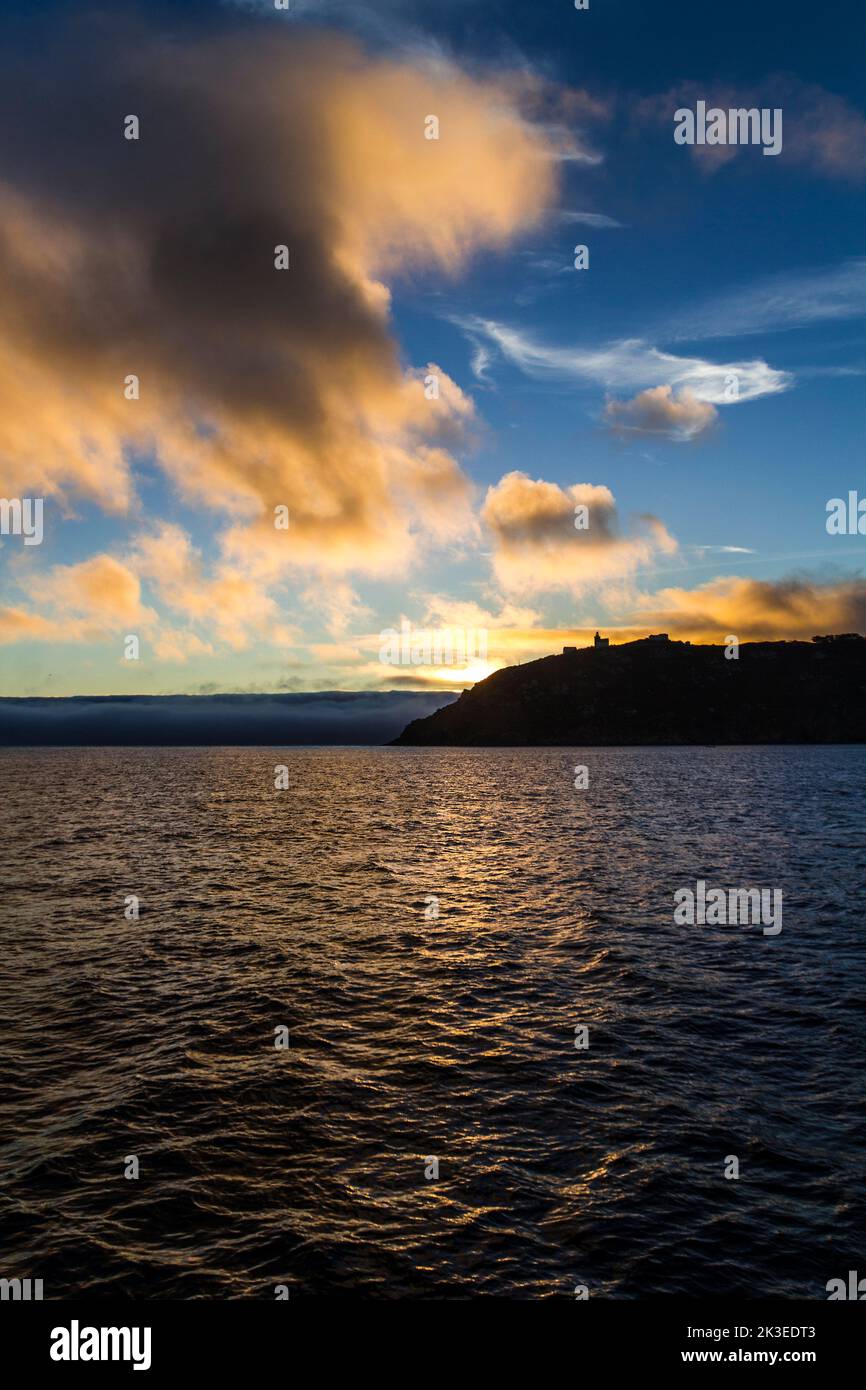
{"points": [[258, 387], [822, 132], [270, 720], [658, 411], [514, 632], [19, 625], [179, 644], [757, 610], [388, 24], [232, 604], [727, 549], [471, 641], [100, 598], [339, 604], [537, 547], [778, 304], [481, 359], [90, 601], [101, 589], [446, 611], [590, 219], [631, 364], [753, 610]]}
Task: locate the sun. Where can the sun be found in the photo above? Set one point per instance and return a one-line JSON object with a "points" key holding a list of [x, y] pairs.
{"points": [[469, 674]]}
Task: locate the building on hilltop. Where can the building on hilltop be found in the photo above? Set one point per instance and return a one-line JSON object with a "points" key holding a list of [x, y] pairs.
{"points": [[601, 641]]}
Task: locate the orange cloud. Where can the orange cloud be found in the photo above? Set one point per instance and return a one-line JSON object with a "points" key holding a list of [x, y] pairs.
{"points": [[101, 598], [90, 601], [757, 610], [17, 625], [753, 610], [102, 590], [232, 604], [257, 387], [658, 411], [538, 546]]}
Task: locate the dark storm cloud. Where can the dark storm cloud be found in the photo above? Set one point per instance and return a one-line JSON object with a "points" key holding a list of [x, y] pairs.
{"points": [[155, 256]]}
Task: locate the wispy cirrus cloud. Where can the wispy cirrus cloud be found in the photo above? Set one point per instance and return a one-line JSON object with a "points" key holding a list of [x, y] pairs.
{"points": [[630, 364], [777, 305], [590, 219], [727, 549]]}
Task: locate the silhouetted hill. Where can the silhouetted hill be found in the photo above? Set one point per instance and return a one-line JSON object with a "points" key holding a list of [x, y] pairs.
{"points": [[658, 692]]}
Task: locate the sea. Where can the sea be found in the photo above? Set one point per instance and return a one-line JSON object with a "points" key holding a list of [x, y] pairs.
{"points": [[419, 1023]]}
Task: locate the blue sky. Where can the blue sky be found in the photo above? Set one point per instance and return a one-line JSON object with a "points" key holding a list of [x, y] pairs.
{"points": [[701, 263]]}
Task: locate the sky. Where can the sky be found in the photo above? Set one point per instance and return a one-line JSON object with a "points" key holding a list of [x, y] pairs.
{"points": [[431, 420]]}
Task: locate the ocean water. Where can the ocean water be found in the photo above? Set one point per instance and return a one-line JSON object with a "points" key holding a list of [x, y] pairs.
{"points": [[415, 1037]]}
